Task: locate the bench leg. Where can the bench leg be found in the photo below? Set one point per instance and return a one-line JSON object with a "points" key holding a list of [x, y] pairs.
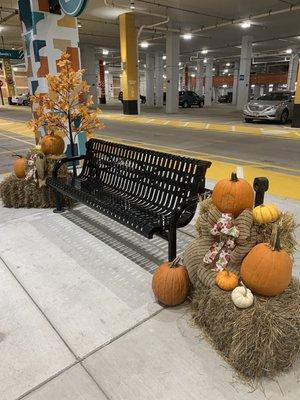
{"points": [[172, 242], [58, 202]]}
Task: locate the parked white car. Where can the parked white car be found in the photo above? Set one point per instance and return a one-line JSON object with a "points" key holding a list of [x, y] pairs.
{"points": [[21, 100]]}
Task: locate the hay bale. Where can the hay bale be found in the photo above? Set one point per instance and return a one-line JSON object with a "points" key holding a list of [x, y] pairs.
{"points": [[19, 193], [260, 341]]}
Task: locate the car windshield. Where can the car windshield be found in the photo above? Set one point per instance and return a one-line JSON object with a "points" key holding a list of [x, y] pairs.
{"points": [[275, 96]]}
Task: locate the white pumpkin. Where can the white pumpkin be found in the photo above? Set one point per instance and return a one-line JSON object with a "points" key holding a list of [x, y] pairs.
{"points": [[242, 297]]}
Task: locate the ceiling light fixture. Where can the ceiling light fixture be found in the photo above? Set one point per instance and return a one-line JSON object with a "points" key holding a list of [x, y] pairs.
{"points": [[187, 36], [132, 6], [105, 52], [193, 75], [179, 64], [204, 51], [226, 71], [289, 51], [144, 45], [164, 57], [205, 60], [245, 24], [79, 24], [227, 64]]}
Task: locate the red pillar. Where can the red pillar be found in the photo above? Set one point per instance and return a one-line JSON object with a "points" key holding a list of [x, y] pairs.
{"points": [[102, 82]]}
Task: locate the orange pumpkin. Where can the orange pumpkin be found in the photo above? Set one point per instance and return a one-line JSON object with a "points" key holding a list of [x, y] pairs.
{"points": [[170, 283], [227, 280], [267, 270], [19, 167], [233, 195], [52, 144]]}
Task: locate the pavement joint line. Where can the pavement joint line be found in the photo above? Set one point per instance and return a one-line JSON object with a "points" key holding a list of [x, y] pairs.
{"points": [[12, 151], [17, 139], [96, 383]]}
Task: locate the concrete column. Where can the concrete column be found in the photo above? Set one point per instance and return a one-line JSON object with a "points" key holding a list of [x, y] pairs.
{"points": [[235, 82], [150, 79], [208, 81], [159, 81], [199, 77], [102, 82], [293, 71], [186, 78], [172, 45], [245, 67], [89, 64], [256, 91], [45, 37], [129, 62]]}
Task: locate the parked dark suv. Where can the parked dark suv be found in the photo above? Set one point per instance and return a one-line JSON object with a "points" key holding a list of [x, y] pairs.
{"points": [[189, 99]]}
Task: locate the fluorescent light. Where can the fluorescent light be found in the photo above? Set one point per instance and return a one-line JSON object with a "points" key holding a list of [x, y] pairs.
{"points": [[246, 24], [106, 72], [227, 64], [104, 62], [164, 76], [187, 36], [105, 52], [164, 57], [144, 45], [79, 24], [193, 75], [289, 51], [205, 60], [179, 64], [204, 51], [214, 69], [224, 86], [226, 71], [12, 48], [132, 6]]}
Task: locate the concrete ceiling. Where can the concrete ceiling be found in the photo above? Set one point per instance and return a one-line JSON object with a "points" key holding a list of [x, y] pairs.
{"points": [[100, 25]]}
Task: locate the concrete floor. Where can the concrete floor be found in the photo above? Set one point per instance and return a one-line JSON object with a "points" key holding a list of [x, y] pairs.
{"points": [[78, 320]]}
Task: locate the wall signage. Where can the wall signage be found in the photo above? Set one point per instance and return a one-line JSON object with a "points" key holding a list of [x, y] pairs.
{"points": [[73, 7]]}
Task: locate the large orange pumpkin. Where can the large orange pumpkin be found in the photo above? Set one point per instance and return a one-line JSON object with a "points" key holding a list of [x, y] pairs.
{"points": [[170, 283], [52, 144], [233, 195], [19, 167], [267, 270]]}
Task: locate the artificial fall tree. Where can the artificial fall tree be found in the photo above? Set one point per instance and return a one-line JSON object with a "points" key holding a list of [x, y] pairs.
{"points": [[65, 109]]}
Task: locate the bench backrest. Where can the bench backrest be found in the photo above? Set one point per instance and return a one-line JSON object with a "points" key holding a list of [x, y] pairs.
{"points": [[162, 179]]}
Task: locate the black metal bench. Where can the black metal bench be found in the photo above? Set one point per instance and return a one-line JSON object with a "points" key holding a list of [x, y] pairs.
{"points": [[151, 192]]}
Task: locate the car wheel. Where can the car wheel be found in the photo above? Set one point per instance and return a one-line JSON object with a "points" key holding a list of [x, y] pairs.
{"points": [[248, 120], [200, 104], [25, 103], [185, 104], [284, 116]]}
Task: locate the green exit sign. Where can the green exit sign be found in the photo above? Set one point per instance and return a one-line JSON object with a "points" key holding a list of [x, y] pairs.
{"points": [[13, 54]]}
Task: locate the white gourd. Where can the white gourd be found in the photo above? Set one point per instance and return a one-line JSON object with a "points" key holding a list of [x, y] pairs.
{"points": [[242, 297]]}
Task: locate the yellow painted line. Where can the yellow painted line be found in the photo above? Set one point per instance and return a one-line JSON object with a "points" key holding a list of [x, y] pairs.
{"points": [[285, 133], [281, 184]]}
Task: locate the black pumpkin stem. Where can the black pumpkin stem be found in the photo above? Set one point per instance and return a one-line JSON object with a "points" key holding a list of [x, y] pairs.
{"points": [[234, 177]]}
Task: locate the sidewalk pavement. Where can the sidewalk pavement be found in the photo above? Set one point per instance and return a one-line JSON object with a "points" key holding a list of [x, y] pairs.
{"points": [[78, 320]]}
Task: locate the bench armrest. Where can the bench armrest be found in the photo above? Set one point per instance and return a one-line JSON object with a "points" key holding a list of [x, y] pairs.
{"points": [[186, 205], [64, 160]]}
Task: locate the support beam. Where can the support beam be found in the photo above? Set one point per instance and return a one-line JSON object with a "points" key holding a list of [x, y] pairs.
{"points": [[199, 77], [244, 77], [208, 81], [292, 73], [172, 45], [129, 63], [150, 80], [89, 64], [235, 82], [296, 112], [159, 82]]}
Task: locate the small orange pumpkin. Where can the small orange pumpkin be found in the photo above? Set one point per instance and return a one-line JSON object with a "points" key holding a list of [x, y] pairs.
{"points": [[19, 167], [170, 283], [267, 269], [52, 144], [227, 280], [233, 195]]}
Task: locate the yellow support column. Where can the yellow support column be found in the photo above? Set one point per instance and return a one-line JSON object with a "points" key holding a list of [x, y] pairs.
{"points": [[296, 111], [129, 62], [9, 77]]}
